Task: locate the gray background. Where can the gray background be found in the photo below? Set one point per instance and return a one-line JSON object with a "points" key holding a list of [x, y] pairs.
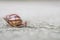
{"points": [[34, 11], [46, 12]]}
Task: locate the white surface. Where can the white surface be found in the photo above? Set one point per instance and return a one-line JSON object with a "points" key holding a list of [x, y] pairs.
{"points": [[44, 32], [38, 14], [29, 34], [34, 11]]}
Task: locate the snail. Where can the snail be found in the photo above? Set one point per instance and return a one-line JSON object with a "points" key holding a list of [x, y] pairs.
{"points": [[14, 20]]}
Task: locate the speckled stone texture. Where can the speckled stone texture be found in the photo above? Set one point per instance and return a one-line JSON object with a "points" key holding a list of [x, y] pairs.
{"points": [[29, 34], [46, 32]]}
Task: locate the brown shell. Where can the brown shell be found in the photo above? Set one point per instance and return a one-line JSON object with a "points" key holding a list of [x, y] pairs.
{"points": [[13, 20]]}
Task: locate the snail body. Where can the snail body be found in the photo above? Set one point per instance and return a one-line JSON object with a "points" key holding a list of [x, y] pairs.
{"points": [[14, 20]]}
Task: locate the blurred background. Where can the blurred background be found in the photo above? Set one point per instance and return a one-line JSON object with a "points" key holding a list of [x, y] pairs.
{"points": [[43, 17], [34, 11]]}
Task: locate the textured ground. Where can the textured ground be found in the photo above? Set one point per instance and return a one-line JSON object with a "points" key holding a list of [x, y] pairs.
{"points": [[29, 33]]}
